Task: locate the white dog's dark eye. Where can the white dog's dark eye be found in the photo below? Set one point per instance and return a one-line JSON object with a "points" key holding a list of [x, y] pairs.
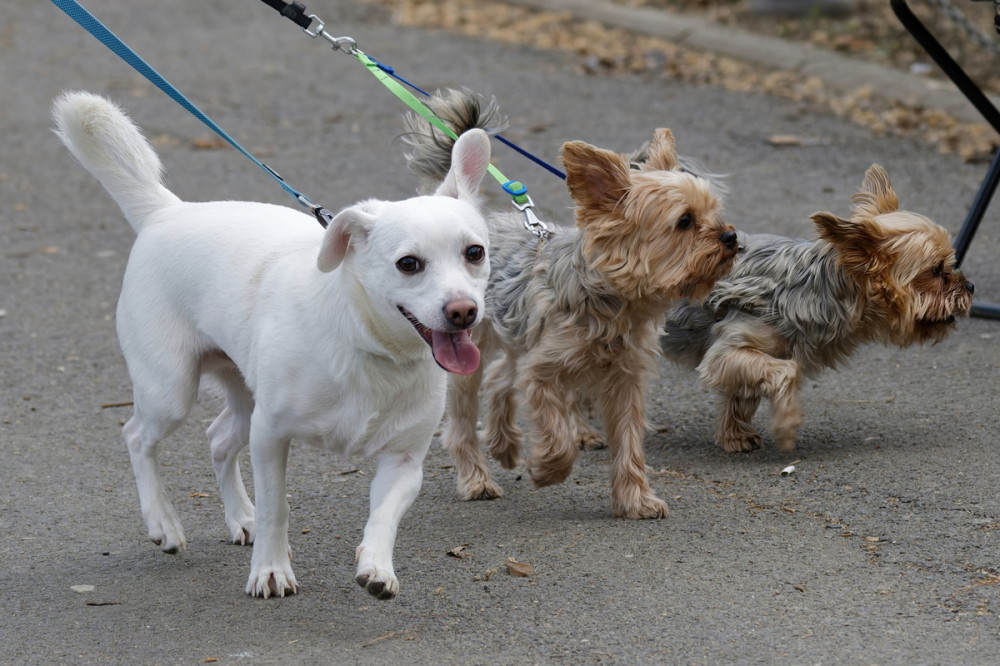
{"points": [[938, 270], [409, 265], [475, 253], [687, 219]]}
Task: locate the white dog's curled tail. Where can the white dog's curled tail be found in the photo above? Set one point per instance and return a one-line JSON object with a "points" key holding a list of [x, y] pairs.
{"points": [[110, 146]]}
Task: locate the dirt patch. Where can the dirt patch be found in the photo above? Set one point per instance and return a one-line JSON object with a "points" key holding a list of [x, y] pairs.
{"points": [[609, 51], [870, 30]]}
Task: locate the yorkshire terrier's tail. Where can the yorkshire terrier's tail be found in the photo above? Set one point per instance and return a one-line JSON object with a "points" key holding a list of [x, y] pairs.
{"points": [[429, 149], [687, 333]]}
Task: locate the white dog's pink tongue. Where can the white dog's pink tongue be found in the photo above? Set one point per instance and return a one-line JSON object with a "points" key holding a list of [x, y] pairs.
{"points": [[455, 352]]}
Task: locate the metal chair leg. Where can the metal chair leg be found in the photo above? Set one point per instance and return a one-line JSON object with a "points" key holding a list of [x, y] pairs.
{"points": [[989, 112]]}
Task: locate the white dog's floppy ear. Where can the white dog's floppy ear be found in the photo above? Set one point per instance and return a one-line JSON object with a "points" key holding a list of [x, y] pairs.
{"points": [[470, 157], [349, 226]]}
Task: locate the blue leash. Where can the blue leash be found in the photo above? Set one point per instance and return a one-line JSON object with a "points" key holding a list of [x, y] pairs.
{"points": [[87, 20], [314, 26], [388, 69], [297, 13], [294, 11]]}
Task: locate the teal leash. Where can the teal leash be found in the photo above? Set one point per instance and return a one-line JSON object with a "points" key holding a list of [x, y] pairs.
{"points": [[90, 23], [296, 12]]}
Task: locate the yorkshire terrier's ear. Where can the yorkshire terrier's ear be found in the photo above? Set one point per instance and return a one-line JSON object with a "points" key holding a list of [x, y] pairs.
{"points": [[597, 179], [662, 152], [876, 196], [859, 242]]}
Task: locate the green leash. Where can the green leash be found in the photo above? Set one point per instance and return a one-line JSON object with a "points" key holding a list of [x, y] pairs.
{"points": [[516, 189], [415, 104]]}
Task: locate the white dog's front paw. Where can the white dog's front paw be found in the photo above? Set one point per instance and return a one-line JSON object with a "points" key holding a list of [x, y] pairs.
{"points": [[241, 528], [165, 530], [275, 580], [380, 582]]}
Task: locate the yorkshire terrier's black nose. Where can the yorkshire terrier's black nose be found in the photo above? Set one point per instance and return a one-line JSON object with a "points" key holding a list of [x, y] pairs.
{"points": [[728, 238], [971, 287]]}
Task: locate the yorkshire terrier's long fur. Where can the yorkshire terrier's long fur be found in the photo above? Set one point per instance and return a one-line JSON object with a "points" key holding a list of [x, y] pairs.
{"points": [[791, 308], [581, 310]]}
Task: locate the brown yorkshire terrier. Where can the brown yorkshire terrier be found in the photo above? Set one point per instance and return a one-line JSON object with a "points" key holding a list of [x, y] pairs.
{"points": [[791, 308], [580, 311]]}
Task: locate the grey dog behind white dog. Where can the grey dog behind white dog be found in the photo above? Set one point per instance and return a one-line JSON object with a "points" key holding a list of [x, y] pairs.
{"points": [[330, 337]]}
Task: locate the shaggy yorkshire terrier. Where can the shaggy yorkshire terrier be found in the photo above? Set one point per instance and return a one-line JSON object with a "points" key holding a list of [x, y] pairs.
{"points": [[791, 308], [579, 311]]}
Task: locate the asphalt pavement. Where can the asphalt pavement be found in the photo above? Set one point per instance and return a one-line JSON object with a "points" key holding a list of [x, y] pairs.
{"points": [[881, 547]]}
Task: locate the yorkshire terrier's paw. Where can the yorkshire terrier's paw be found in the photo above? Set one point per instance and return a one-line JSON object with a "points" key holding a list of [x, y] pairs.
{"points": [[508, 458], [505, 447], [743, 442], [785, 428], [591, 440], [648, 507], [786, 444], [483, 489], [545, 474]]}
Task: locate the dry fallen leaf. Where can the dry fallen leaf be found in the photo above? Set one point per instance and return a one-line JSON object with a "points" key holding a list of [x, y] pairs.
{"points": [[866, 33], [459, 551], [211, 143], [783, 140], [519, 569]]}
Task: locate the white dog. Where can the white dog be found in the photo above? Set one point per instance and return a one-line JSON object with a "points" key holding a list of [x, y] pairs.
{"points": [[330, 337]]}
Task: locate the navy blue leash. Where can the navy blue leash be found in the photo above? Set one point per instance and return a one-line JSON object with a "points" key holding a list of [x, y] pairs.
{"points": [[388, 69], [87, 20], [296, 12]]}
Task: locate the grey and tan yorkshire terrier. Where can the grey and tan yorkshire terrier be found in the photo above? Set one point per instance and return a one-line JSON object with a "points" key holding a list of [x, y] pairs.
{"points": [[791, 308], [579, 311]]}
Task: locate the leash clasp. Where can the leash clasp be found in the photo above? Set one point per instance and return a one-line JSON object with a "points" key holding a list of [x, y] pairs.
{"points": [[531, 221], [346, 44], [522, 202]]}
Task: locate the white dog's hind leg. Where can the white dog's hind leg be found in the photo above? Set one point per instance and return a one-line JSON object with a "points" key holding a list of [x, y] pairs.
{"points": [[229, 435], [271, 563], [159, 349], [396, 484], [142, 435]]}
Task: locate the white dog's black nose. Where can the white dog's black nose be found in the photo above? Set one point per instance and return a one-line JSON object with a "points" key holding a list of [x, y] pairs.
{"points": [[461, 313]]}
